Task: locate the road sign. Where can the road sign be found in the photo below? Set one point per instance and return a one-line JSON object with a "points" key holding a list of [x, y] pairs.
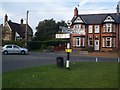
{"points": [[62, 35]]}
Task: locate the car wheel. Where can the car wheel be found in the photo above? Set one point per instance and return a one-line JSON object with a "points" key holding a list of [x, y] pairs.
{"points": [[5, 52], [23, 52]]}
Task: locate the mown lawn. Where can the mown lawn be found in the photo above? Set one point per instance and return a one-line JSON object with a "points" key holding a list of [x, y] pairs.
{"points": [[81, 75]]}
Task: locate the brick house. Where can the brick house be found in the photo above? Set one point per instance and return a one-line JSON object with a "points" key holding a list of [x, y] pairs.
{"points": [[14, 31], [100, 31]]}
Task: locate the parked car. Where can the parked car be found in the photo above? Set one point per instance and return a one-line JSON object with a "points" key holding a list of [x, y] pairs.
{"points": [[14, 49]]}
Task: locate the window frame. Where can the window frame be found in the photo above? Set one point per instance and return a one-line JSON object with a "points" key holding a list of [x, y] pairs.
{"points": [[77, 42], [108, 27], [90, 42], [97, 29], [9, 46], [90, 29]]}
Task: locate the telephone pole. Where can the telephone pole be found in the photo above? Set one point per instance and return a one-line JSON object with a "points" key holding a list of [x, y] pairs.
{"points": [[26, 30]]}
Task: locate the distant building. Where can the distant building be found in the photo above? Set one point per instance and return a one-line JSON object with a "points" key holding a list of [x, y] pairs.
{"points": [[100, 31], [13, 31]]}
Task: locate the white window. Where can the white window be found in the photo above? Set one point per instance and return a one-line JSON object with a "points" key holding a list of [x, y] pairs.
{"points": [[103, 41], [96, 28], [78, 41], [90, 42], [75, 26], [113, 29], [83, 42], [90, 29], [109, 27], [108, 42], [74, 41], [103, 29], [79, 26], [82, 29], [113, 42]]}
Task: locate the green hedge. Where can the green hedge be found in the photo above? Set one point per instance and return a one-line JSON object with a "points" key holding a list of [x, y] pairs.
{"points": [[33, 45], [90, 49]]}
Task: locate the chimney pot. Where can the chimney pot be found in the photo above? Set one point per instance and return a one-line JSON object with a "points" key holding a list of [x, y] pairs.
{"points": [[22, 21]]}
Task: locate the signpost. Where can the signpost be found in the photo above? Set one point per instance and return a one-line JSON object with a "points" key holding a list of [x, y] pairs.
{"points": [[68, 50], [62, 35]]}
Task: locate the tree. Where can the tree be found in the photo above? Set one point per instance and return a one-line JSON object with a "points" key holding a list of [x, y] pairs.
{"points": [[47, 29]]}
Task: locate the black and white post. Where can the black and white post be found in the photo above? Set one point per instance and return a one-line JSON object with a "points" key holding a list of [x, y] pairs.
{"points": [[68, 56]]}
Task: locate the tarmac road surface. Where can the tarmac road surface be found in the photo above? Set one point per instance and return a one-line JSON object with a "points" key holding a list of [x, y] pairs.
{"points": [[13, 62]]}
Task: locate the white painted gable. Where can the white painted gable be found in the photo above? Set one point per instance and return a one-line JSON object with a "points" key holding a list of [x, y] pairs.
{"points": [[109, 19], [78, 20], [7, 26], [16, 34]]}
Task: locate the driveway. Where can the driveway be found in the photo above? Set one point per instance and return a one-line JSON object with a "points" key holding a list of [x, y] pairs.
{"points": [[13, 62]]}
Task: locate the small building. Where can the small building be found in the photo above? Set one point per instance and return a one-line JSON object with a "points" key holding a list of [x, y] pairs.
{"points": [[100, 31], [14, 31]]}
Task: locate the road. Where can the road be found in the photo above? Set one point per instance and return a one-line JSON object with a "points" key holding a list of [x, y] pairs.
{"points": [[13, 62]]}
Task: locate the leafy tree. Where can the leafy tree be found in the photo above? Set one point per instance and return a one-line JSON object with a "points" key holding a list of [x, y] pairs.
{"points": [[47, 29]]}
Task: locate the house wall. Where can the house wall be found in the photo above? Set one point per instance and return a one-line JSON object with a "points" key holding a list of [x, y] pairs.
{"points": [[7, 34], [98, 36]]}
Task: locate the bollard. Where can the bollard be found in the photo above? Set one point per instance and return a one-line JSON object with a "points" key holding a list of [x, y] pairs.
{"points": [[118, 60], [96, 60]]}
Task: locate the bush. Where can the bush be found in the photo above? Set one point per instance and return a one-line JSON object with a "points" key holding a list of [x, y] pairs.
{"points": [[90, 49], [34, 45], [43, 46]]}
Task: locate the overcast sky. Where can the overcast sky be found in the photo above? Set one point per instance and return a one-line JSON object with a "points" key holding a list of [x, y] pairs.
{"points": [[40, 10]]}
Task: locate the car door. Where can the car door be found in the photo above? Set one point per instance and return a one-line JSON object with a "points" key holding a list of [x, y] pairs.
{"points": [[16, 49], [9, 49]]}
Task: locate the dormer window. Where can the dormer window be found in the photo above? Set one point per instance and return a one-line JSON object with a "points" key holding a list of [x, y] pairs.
{"points": [[109, 19]]}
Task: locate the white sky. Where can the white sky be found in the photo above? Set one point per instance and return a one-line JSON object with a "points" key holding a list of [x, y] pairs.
{"points": [[40, 10]]}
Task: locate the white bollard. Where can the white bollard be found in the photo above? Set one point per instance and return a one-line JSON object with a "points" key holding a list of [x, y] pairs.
{"points": [[96, 60], [118, 60], [67, 64]]}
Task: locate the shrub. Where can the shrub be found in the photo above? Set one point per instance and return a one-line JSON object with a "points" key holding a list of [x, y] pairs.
{"points": [[90, 49], [34, 45]]}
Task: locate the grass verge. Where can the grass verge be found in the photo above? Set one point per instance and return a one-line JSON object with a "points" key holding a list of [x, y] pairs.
{"points": [[81, 75]]}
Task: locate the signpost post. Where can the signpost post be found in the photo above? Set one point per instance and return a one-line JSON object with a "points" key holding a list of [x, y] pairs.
{"points": [[68, 50]]}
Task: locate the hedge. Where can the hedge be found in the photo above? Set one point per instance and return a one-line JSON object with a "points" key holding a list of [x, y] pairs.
{"points": [[33, 45]]}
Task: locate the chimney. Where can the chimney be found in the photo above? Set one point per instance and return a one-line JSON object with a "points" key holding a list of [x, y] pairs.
{"points": [[118, 9], [21, 21], [6, 19], [75, 12]]}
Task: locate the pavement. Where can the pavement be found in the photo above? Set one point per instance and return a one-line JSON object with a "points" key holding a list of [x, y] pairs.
{"points": [[95, 54], [103, 54]]}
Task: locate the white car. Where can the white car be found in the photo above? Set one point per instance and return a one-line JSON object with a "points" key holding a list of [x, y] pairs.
{"points": [[8, 49]]}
